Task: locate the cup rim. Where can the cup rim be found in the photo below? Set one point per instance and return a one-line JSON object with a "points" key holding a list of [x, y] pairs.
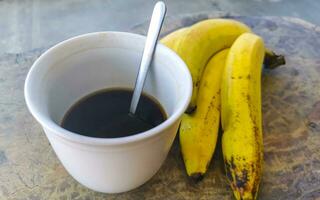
{"points": [[49, 124]]}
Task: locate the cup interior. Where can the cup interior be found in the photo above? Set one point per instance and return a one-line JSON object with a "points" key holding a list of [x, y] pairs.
{"points": [[82, 65]]}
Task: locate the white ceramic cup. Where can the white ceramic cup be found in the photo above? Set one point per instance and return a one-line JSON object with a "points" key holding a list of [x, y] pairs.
{"points": [[79, 66]]}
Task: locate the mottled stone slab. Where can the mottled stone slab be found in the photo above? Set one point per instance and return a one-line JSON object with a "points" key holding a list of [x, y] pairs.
{"points": [[29, 169]]}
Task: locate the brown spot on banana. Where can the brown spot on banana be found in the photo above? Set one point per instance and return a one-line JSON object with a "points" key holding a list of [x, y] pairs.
{"points": [[239, 177], [242, 179], [228, 170]]}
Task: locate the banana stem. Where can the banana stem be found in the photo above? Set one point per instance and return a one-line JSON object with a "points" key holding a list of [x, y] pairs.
{"points": [[272, 60]]}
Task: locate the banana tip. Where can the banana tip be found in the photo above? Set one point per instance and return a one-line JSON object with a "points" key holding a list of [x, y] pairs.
{"points": [[196, 177]]}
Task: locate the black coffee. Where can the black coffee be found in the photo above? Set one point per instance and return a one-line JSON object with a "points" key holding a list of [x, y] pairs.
{"points": [[105, 114]]}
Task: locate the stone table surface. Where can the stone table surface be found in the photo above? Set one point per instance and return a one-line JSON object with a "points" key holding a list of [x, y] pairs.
{"points": [[29, 169]]}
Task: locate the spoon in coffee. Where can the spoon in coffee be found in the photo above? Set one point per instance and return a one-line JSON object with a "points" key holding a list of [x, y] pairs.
{"points": [[156, 22]]}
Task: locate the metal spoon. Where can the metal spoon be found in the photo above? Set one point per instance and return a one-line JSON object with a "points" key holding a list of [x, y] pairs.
{"points": [[156, 22]]}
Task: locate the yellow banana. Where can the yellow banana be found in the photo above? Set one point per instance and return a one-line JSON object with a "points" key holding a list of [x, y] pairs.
{"points": [[202, 40], [242, 144], [194, 46], [172, 39], [199, 130]]}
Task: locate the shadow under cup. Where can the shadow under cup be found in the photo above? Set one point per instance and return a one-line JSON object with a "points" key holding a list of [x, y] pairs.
{"points": [[84, 64]]}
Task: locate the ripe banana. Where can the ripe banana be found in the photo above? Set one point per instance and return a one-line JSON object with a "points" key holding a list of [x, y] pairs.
{"points": [[199, 130], [202, 40], [172, 39], [242, 144]]}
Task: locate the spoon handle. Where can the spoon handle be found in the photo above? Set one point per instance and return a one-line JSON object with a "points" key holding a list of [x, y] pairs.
{"points": [[156, 22]]}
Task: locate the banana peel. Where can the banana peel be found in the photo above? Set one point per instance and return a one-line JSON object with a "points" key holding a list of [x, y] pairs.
{"points": [[242, 144], [199, 131], [200, 42]]}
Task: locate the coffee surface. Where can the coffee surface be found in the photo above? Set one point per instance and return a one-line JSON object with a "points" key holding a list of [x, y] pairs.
{"points": [[105, 114]]}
